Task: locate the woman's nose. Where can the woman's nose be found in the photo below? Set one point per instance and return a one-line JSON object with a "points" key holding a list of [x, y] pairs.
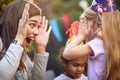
{"points": [[35, 32]]}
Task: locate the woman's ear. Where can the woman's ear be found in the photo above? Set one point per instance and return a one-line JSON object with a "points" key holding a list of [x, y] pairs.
{"points": [[1, 25]]}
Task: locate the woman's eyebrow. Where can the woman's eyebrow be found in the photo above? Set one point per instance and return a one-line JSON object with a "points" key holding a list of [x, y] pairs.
{"points": [[34, 21]]}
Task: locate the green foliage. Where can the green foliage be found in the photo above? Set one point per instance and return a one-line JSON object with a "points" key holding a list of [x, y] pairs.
{"points": [[61, 6], [118, 4], [3, 4]]}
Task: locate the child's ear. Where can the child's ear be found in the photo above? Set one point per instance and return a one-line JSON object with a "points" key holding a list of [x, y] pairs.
{"points": [[99, 33]]}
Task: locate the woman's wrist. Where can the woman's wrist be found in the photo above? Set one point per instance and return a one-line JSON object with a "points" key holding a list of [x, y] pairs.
{"points": [[40, 49], [20, 40], [81, 37]]}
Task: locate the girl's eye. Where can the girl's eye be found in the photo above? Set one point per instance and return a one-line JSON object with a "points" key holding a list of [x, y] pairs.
{"points": [[74, 64], [32, 25]]}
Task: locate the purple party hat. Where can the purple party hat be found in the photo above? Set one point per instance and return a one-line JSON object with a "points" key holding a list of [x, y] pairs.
{"points": [[103, 5]]}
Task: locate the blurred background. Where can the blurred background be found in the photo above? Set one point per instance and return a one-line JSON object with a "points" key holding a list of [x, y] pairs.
{"points": [[60, 13]]}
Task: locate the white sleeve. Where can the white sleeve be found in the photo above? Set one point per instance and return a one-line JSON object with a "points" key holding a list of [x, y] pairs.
{"points": [[10, 62], [39, 68]]}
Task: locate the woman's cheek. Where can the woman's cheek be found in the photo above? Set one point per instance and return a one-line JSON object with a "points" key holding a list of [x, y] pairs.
{"points": [[28, 31]]}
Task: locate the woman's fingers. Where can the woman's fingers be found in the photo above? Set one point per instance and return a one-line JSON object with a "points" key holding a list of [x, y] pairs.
{"points": [[25, 14], [46, 25], [43, 22], [23, 20], [49, 30]]}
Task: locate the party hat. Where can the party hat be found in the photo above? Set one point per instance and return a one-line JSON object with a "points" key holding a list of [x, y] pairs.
{"points": [[103, 5]]}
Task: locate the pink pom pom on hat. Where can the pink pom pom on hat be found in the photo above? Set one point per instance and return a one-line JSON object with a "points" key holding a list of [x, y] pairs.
{"points": [[103, 6]]}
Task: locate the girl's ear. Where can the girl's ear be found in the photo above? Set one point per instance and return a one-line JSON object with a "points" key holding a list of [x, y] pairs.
{"points": [[99, 33]]}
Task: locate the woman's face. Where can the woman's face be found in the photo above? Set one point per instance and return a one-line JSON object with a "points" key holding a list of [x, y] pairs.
{"points": [[32, 26]]}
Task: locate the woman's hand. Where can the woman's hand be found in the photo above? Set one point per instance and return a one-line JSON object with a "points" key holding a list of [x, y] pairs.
{"points": [[41, 39], [21, 33]]}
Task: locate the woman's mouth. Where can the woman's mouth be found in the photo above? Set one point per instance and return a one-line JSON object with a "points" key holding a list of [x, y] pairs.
{"points": [[28, 42]]}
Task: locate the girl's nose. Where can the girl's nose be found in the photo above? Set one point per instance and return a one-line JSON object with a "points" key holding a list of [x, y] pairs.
{"points": [[80, 68]]}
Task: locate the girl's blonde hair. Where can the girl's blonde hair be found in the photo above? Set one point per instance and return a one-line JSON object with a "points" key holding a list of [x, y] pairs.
{"points": [[90, 14], [93, 16], [111, 31]]}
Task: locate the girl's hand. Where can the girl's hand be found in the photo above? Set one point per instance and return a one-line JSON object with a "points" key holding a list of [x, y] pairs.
{"points": [[21, 33], [83, 29], [41, 39]]}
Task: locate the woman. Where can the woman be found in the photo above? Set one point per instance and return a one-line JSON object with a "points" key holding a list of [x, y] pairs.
{"points": [[19, 26]]}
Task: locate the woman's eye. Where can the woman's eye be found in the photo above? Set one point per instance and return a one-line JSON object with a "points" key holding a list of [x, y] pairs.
{"points": [[32, 25]]}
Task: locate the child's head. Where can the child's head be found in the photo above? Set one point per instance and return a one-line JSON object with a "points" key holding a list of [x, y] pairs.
{"points": [[93, 21], [73, 68]]}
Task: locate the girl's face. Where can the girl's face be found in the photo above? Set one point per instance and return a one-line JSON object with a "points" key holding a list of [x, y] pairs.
{"points": [[75, 68], [93, 27], [31, 27]]}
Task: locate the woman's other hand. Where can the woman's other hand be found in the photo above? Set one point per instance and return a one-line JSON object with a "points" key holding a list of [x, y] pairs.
{"points": [[42, 36]]}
